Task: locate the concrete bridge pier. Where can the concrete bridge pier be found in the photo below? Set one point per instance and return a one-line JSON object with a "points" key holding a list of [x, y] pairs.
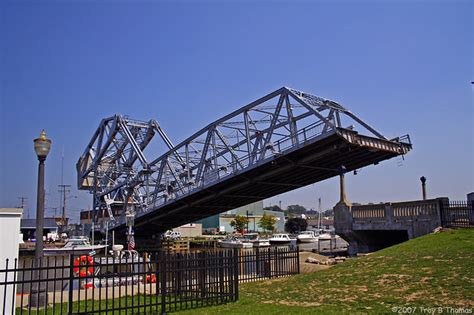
{"points": [[343, 225], [343, 217]]}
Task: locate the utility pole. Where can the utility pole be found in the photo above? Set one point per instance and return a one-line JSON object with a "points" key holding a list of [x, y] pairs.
{"points": [[23, 203], [64, 189], [247, 212]]}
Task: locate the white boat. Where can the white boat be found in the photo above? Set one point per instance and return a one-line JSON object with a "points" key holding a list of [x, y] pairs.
{"points": [[123, 268], [232, 242], [281, 239], [325, 236], [75, 246], [255, 239], [307, 237]]}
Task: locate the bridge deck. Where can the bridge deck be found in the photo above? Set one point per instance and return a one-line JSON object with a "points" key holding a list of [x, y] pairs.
{"points": [[312, 162]]}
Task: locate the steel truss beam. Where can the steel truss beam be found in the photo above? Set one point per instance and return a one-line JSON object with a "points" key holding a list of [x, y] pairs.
{"points": [[113, 157], [115, 169]]}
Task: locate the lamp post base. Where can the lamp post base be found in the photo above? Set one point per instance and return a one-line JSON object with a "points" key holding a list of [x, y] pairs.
{"points": [[38, 296]]}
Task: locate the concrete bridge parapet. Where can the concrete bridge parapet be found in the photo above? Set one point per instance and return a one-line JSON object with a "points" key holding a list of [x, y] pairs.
{"points": [[373, 226]]}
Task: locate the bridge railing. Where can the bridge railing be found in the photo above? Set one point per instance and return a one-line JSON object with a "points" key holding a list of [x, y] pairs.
{"points": [[440, 211], [416, 208], [303, 135], [212, 176], [396, 211], [370, 211]]}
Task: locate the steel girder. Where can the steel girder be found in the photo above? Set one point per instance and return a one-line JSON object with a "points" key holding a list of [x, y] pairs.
{"points": [[116, 171], [114, 155]]}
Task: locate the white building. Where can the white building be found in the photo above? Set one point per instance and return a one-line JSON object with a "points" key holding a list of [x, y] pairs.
{"points": [[9, 246]]}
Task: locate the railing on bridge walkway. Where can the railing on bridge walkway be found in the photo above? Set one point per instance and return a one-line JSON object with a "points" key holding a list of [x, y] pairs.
{"points": [[416, 208], [449, 213], [154, 283], [372, 211]]}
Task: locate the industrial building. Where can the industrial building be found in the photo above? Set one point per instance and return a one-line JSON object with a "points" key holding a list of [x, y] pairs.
{"points": [[254, 212]]}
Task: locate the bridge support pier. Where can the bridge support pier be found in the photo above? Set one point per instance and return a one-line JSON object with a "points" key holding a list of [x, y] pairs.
{"points": [[343, 226], [343, 217]]}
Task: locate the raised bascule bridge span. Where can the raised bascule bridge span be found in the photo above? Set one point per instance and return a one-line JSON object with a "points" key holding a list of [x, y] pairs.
{"points": [[283, 141]]}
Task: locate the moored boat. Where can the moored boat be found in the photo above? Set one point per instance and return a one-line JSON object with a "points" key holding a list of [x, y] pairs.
{"points": [[307, 237], [232, 242], [281, 239], [76, 246], [324, 237], [255, 239]]}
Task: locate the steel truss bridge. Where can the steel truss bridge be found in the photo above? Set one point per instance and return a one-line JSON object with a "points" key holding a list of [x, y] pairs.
{"points": [[285, 140]]}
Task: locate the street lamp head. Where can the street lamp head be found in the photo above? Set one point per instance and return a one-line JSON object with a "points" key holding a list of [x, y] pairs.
{"points": [[42, 146]]}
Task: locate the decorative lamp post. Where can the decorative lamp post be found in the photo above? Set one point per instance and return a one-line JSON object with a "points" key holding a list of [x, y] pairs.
{"points": [[423, 187], [42, 146]]}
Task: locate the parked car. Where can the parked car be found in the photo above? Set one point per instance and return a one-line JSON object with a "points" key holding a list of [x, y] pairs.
{"points": [[172, 235]]}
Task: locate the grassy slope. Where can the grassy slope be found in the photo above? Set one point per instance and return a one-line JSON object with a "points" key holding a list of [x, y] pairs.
{"points": [[433, 270]]}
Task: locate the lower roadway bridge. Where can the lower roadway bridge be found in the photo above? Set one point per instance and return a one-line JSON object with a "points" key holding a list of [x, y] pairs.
{"points": [[371, 227], [283, 141]]}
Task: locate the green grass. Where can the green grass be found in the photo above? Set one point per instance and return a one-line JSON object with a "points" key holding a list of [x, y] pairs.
{"points": [[435, 270], [83, 308]]}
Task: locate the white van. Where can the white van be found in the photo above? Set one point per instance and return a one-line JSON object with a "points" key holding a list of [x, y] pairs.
{"points": [[172, 235]]}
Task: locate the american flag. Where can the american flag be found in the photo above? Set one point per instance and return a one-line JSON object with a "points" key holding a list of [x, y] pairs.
{"points": [[131, 243]]}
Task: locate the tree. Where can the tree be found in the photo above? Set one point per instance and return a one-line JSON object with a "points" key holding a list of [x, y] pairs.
{"points": [[296, 209], [295, 225], [239, 223], [267, 222]]}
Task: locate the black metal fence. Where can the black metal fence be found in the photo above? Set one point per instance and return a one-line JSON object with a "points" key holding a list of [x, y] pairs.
{"points": [[266, 263], [153, 283], [457, 213]]}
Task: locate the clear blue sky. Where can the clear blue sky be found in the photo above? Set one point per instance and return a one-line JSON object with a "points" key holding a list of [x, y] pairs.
{"points": [[403, 66]]}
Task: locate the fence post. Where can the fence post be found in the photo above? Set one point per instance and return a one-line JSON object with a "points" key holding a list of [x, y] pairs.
{"points": [[236, 274], [268, 263], [163, 281], [178, 272], [202, 274], [470, 211], [443, 206], [5, 288], [157, 276], [220, 276], [298, 258], [71, 282], [257, 261]]}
